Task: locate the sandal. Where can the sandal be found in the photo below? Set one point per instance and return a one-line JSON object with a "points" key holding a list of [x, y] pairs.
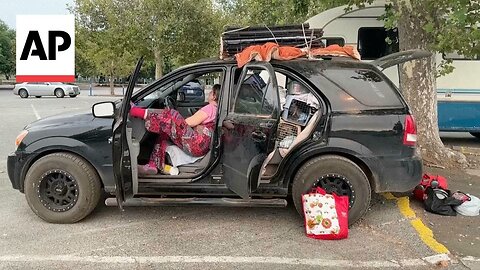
{"points": [[146, 170]]}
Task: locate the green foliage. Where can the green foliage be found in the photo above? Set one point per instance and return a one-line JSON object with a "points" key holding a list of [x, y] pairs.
{"points": [[103, 41], [273, 12], [111, 34], [454, 26], [184, 30], [451, 25], [7, 50]]}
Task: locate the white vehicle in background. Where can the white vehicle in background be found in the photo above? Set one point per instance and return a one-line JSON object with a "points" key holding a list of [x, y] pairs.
{"points": [[39, 89], [458, 93]]}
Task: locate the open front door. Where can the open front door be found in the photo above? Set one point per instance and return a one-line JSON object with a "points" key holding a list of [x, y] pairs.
{"points": [[250, 127], [121, 153]]}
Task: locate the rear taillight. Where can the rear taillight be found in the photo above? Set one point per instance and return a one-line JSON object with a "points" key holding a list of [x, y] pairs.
{"points": [[410, 132]]}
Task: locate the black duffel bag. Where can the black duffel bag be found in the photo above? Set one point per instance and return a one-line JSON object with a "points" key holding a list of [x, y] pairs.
{"points": [[440, 201]]}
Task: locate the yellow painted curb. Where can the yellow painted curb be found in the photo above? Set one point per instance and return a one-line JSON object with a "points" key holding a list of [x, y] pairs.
{"points": [[404, 206], [423, 231]]}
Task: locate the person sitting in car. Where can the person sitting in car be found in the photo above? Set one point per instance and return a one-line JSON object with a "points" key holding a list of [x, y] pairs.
{"points": [[193, 134]]}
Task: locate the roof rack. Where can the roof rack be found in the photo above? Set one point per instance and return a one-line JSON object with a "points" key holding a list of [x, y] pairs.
{"points": [[236, 39]]}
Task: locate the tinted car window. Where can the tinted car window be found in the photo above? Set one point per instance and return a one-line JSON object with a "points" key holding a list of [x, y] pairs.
{"points": [[256, 95], [372, 42], [366, 86]]}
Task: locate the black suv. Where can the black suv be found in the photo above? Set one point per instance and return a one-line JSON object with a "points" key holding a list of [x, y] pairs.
{"points": [[354, 136]]}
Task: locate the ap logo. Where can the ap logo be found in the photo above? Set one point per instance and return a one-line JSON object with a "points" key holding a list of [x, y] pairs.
{"points": [[45, 48]]}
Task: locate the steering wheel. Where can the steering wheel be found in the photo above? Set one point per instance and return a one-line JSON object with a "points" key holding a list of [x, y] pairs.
{"points": [[169, 102]]}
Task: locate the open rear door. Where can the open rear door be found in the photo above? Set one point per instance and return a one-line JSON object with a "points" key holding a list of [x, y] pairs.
{"points": [[399, 58], [121, 153], [250, 127]]}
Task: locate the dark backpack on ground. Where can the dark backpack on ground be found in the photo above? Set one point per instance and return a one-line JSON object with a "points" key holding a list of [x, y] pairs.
{"points": [[440, 201]]}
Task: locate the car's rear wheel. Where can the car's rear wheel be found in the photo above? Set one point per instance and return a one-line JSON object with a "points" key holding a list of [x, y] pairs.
{"points": [[23, 93], [334, 174], [72, 96], [62, 188], [59, 93], [476, 134]]}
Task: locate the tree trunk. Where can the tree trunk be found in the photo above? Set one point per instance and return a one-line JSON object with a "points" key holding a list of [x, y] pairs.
{"points": [[418, 84], [112, 85], [158, 64]]}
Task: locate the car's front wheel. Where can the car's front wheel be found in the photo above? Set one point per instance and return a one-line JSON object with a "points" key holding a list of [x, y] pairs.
{"points": [[62, 188], [59, 93], [334, 174], [23, 93]]}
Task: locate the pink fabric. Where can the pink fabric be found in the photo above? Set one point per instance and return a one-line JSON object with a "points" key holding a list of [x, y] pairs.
{"points": [[137, 112], [211, 111]]}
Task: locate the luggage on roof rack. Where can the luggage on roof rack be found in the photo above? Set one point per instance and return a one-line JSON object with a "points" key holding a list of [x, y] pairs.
{"points": [[236, 39]]}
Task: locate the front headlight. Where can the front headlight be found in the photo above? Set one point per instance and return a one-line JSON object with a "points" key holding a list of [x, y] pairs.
{"points": [[20, 138]]}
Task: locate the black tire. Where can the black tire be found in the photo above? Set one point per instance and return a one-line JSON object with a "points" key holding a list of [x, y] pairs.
{"points": [[476, 134], [84, 188], [38, 96], [59, 93], [23, 93], [72, 96], [335, 169]]}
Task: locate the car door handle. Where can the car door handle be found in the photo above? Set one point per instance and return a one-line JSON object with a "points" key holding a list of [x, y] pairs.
{"points": [[259, 136], [266, 124]]}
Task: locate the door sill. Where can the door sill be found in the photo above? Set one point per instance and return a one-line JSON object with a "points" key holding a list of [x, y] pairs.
{"points": [[165, 179], [231, 202]]}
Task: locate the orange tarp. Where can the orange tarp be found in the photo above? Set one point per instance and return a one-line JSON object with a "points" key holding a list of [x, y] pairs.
{"points": [[336, 50], [271, 50], [266, 52]]}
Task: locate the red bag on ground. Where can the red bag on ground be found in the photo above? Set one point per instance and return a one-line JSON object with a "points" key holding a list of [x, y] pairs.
{"points": [[326, 215], [428, 180]]}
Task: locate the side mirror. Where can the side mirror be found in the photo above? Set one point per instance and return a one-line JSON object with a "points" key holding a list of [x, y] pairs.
{"points": [[103, 109]]}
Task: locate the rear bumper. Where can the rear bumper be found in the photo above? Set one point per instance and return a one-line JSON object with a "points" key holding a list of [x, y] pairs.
{"points": [[400, 175]]}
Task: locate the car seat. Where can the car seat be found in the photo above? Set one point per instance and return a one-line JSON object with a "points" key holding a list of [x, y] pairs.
{"points": [[276, 156]]}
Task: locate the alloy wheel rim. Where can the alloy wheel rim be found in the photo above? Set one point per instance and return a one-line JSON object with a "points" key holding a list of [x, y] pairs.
{"points": [[58, 190]]}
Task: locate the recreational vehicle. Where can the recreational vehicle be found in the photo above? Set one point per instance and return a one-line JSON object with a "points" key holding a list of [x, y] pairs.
{"points": [[458, 93]]}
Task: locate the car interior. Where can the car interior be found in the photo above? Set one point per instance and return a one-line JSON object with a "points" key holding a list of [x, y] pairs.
{"points": [[172, 95], [301, 110]]}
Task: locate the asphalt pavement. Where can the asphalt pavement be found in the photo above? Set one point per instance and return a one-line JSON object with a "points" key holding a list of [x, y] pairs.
{"points": [[195, 237]]}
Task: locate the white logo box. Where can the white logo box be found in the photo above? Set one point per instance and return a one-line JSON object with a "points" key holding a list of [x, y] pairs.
{"points": [[33, 69]]}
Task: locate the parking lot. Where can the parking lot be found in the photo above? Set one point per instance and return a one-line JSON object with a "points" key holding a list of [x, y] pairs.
{"points": [[191, 237]]}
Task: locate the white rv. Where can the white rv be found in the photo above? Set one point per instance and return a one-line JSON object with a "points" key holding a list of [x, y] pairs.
{"points": [[363, 28]]}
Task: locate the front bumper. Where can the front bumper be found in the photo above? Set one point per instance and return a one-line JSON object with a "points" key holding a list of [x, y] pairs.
{"points": [[14, 162], [74, 91]]}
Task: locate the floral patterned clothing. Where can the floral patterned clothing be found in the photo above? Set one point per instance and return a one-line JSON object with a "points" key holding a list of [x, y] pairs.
{"points": [[169, 124]]}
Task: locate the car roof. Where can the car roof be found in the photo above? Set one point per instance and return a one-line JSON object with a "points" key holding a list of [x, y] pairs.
{"points": [[335, 62]]}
